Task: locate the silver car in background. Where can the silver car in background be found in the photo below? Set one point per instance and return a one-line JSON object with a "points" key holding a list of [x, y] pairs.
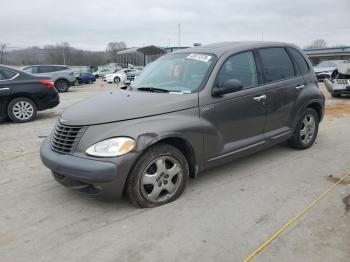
{"points": [[61, 75]]}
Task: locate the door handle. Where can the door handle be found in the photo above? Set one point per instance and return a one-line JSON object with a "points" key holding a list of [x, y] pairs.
{"points": [[4, 89], [259, 98], [300, 87]]}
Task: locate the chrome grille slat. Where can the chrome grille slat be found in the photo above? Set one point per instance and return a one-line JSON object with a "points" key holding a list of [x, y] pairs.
{"points": [[64, 138]]}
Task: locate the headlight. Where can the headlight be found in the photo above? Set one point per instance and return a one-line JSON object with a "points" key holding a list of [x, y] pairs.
{"points": [[112, 147]]}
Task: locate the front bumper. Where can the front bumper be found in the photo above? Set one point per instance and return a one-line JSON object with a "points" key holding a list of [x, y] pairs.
{"points": [[87, 175]]}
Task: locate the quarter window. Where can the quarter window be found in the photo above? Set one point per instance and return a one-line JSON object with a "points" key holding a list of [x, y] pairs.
{"points": [[6, 74], [300, 61], [276, 64], [241, 67]]}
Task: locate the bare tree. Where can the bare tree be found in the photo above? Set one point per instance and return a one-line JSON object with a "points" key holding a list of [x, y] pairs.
{"points": [[317, 43], [3, 47], [113, 48]]}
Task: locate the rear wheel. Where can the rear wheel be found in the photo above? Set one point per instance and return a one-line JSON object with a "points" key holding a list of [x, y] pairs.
{"points": [[22, 110], [306, 130], [62, 85], [159, 177]]}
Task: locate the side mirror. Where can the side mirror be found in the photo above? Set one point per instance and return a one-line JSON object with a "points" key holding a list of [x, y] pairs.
{"points": [[230, 86]]}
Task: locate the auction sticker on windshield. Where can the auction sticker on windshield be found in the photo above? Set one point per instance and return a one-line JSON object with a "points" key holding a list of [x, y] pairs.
{"points": [[199, 57]]}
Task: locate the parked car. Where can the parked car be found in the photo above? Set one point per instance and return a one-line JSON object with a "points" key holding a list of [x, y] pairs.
{"points": [[325, 69], [119, 76], [102, 72], [23, 94], [130, 77], [62, 76], [86, 78], [188, 111], [340, 83]]}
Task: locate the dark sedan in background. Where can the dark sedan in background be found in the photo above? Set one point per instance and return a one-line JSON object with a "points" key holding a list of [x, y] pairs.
{"points": [[23, 94]]}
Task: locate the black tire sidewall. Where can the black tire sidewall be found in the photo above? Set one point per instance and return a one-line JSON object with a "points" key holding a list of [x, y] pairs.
{"points": [[59, 89], [301, 145], [16, 100], [116, 80], [134, 180]]}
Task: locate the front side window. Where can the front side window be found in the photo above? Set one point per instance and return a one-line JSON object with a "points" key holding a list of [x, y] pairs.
{"points": [[176, 72], [6, 74], [241, 67], [276, 64]]}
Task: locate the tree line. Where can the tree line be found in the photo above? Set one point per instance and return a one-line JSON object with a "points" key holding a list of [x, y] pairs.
{"points": [[61, 53]]}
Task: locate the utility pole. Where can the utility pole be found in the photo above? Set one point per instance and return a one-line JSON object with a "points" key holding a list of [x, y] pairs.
{"points": [[2, 51], [262, 36], [179, 39], [64, 56]]}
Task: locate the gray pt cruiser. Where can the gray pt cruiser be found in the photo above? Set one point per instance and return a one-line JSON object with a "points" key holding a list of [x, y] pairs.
{"points": [[188, 111]]}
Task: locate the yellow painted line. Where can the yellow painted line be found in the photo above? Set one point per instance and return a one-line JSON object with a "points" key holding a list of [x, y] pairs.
{"points": [[294, 219]]}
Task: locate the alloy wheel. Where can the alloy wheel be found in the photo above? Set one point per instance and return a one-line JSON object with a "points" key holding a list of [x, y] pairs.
{"points": [[23, 110], [308, 128], [161, 179]]}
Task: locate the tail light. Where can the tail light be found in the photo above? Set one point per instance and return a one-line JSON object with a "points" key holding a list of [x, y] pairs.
{"points": [[48, 83]]}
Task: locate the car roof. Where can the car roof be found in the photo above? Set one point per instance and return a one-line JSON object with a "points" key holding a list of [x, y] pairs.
{"points": [[220, 48]]}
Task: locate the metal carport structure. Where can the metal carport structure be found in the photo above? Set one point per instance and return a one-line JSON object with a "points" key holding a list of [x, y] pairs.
{"points": [[139, 56]]}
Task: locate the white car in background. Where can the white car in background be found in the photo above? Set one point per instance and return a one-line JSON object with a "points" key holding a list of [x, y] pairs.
{"points": [[119, 76], [102, 72]]}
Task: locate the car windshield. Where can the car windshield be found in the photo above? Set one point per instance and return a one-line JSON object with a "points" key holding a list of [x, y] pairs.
{"points": [[175, 73], [327, 64]]}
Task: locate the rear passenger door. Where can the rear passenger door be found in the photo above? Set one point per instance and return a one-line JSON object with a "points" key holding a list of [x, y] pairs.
{"points": [[282, 89]]}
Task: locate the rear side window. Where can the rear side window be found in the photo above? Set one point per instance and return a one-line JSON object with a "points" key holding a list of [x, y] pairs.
{"points": [[276, 64], [44, 69], [6, 74], [299, 60], [241, 67]]}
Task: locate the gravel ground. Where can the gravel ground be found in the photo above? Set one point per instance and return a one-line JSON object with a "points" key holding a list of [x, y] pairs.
{"points": [[222, 216]]}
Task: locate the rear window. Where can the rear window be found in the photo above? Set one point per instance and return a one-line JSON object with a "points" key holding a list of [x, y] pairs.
{"points": [[6, 74], [300, 61], [276, 64]]}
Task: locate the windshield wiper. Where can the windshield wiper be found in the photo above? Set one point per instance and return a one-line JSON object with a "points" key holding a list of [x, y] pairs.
{"points": [[153, 89]]}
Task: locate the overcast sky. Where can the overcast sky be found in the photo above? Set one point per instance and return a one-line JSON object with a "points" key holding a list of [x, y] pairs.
{"points": [[92, 24]]}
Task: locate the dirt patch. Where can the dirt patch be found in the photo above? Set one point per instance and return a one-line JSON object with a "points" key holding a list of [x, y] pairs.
{"points": [[338, 110]]}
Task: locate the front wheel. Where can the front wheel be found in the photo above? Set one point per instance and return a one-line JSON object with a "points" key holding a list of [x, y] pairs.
{"points": [[306, 130], [159, 177], [117, 80], [21, 110]]}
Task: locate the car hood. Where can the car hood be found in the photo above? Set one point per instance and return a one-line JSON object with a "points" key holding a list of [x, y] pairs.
{"points": [[324, 69], [122, 105]]}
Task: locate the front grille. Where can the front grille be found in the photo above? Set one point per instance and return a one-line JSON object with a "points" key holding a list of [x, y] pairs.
{"points": [[130, 78], [65, 139]]}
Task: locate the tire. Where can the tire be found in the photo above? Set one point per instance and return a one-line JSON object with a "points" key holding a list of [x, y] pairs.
{"points": [[116, 80], [306, 130], [335, 95], [62, 85], [22, 110], [162, 185]]}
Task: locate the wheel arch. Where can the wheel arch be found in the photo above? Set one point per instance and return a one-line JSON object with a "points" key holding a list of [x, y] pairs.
{"points": [[180, 143], [17, 95], [318, 108], [61, 78]]}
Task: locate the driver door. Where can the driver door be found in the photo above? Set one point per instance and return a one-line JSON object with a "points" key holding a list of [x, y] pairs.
{"points": [[235, 122]]}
